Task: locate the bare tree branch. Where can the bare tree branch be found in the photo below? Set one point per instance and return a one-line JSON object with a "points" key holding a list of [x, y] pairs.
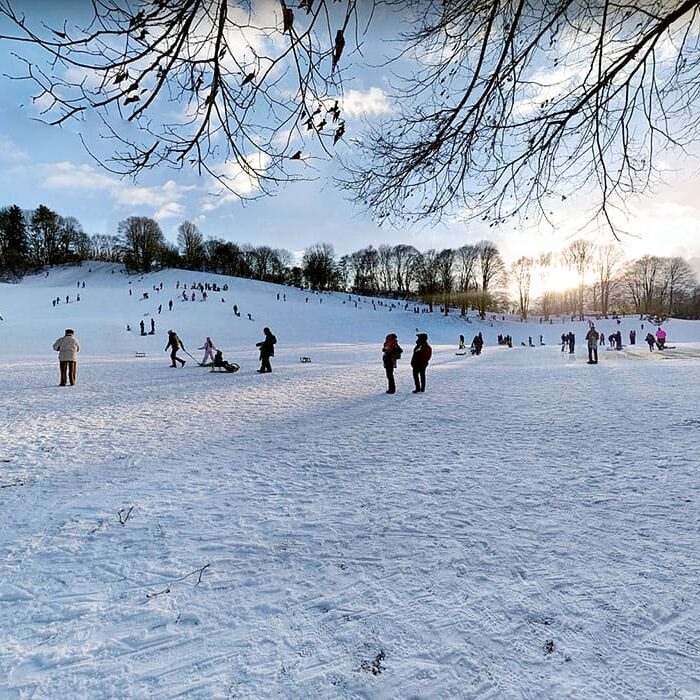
{"points": [[518, 104], [244, 84]]}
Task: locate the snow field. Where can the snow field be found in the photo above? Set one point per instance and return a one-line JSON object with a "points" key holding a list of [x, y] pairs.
{"points": [[526, 528]]}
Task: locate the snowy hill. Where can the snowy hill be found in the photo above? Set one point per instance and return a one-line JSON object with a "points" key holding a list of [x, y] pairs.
{"points": [[528, 527], [302, 320]]}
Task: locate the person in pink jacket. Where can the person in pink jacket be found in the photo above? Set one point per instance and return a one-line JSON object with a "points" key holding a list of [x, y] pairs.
{"points": [[68, 348], [660, 338]]}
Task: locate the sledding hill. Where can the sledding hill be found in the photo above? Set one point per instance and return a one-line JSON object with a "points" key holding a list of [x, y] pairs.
{"points": [[299, 318]]}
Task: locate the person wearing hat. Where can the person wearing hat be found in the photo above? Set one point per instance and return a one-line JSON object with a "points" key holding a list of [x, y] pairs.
{"points": [[68, 348], [422, 352], [592, 338]]}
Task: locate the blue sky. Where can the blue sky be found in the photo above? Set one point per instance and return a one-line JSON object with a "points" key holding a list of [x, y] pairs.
{"points": [[48, 165]]}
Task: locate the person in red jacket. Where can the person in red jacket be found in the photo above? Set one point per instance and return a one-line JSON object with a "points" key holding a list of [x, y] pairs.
{"points": [[422, 353]]}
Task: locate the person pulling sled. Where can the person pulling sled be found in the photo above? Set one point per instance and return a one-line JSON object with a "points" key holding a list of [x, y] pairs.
{"points": [[175, 344]]}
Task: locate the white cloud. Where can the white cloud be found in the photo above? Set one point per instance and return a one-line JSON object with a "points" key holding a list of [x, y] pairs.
{"points": [[371, 102], [235, 182], [10, 152], [164, 201]]}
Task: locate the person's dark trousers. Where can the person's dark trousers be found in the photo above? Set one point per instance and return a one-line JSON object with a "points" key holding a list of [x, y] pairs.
{"points": [[390, 379], [174, 359], [593, 354], [68, 372], [419, 378], [265, 365]]}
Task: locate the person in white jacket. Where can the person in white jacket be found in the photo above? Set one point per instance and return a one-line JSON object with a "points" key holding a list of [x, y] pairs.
{"points": [[208, 348], [68, 348]]}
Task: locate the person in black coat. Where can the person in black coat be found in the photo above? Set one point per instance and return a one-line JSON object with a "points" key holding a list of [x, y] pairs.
{"points": [[391, 351], [422, 352], [267, 350], [174, 343]]}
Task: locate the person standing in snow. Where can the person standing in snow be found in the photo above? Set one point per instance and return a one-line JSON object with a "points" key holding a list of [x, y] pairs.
{"points": [[422, 352], [592, 340], [267, 350], [68, 348], [208, 348], [650, 341], [391, 352], [174, 343], [660, 338]]}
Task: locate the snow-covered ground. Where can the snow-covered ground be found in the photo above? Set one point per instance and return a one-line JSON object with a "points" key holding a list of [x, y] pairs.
{"points": [[529, 527]]}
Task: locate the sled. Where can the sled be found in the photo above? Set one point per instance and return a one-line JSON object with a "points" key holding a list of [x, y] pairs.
{"points": [[461, 352], [231, 369], [140, 354], [304, 359]]}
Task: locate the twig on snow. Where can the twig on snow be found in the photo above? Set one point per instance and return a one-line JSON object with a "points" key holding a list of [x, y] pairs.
{"points": [[155, 595], [123, 514], [199, 571]]}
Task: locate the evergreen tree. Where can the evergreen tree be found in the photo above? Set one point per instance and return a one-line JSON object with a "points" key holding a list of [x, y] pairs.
{"points": [[14, 253]]}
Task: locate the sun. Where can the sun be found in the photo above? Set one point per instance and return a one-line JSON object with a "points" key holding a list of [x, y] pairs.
{"points": [[554, 279]]}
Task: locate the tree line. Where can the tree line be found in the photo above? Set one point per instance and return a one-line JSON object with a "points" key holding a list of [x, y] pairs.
{"points": [[470, 277]]}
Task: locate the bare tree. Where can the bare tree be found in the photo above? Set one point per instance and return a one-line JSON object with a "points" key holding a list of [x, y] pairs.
{"points": [[105, 247], [364, 268], [642, 278], [522, 274], [544, 267], [445, 265], [244, 84], [522, 104], [428, 275], [606, 263], [490, 273], [578, 255], [385, 254], [465, 261], [142, 241], [191, 243], [407, 262], [319, 266], [680, 281]]}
